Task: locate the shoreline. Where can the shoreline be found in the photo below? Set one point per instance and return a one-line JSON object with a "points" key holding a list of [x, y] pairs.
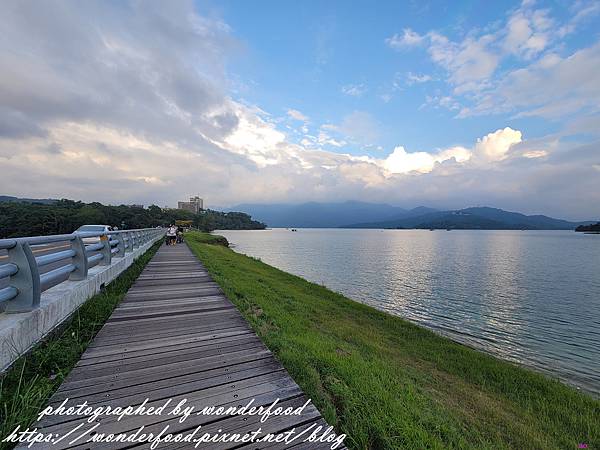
{"points": [[487, 345]]}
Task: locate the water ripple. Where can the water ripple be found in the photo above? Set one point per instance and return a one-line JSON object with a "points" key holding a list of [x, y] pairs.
{"points": [[531, 297]]}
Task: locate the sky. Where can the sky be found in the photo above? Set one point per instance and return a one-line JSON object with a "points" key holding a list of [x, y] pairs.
{"points": [[442, 104]]}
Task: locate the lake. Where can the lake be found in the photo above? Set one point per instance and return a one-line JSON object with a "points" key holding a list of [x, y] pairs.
{"points": [[532, 297]]}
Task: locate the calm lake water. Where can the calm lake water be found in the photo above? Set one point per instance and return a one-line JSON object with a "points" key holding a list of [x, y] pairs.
{"points": [[532, 297]]}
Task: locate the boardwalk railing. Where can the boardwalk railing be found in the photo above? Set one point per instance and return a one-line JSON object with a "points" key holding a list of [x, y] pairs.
{"points": [[29, 275]]}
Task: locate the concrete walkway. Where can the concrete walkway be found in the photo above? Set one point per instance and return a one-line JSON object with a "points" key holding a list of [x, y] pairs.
{"points": [[176, 336]]}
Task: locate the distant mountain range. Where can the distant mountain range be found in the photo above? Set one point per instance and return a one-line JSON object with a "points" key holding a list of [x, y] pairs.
{"points": [[483, 218], [8, 198], [325, 215], [354, 214]]}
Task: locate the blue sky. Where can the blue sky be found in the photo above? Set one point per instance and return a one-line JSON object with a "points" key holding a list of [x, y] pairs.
{"points": [[441, 104], [305, 55]]}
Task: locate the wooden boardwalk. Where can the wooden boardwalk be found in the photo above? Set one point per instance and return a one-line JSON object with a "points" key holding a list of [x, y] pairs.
{"points": [[176, 336]]}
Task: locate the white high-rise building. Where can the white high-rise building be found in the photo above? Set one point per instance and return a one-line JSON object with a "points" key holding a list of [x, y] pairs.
{"points": [[195, 205]]}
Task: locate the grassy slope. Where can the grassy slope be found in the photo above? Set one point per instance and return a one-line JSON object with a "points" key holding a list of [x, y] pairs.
{"points": [[33, 378], [390, 384]]}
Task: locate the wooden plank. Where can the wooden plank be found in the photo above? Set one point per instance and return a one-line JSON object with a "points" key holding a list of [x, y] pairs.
{"points": [[154, 372], [154, 345], [161, 348], [156, 375], [96, 394], [115, 367], [126, 360], [176, 336], [132, 334]]}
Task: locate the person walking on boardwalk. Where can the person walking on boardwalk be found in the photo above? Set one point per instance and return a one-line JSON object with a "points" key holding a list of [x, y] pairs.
{"points": [[171, 235]]}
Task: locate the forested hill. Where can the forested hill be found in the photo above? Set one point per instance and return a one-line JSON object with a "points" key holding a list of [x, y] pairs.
{"points": [[65, 216], [476, 218]]}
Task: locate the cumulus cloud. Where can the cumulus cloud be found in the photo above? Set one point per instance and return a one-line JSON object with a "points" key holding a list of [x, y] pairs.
{"points": [[493, 147], [400, 161]]}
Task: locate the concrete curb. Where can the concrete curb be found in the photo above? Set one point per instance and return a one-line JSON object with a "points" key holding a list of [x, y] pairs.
{"points": [[20, 332]]}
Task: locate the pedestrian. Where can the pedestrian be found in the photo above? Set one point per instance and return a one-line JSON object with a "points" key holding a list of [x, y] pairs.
{"points": [[171, 235]]}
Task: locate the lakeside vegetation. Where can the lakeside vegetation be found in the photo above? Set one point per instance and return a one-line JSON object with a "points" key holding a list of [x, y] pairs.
{"points": [[592, 228], [32, 379], [388, 383], [65, 216]]}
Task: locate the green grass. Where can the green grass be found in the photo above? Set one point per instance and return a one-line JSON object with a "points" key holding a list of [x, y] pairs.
{"points": [[388, 383], [33, 378]]}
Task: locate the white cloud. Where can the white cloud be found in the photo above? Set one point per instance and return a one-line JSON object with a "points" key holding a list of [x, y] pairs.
{"points": [[409, 38], [552, 87], [535, 154], [297, 115], [469, 63], [583, 10], [444, 101], [481, 72], [495, 146], [413, 78], [528, 32], [254, 138], [122, 115], [324, 138], [354, 90], [400, 161], [490, 148]]}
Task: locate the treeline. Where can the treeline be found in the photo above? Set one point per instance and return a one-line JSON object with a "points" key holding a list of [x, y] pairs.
{"points": [[587, 228], [65, 216]]}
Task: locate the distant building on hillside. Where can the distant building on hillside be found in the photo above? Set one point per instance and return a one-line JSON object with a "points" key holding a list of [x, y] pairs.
{"points": [[195, 205], [134, 205]]}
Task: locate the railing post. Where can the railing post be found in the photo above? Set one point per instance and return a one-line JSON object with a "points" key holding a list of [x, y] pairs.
{"points": [[26, 280], [120, 246], [129, 242], [106, 252], [79, 260]]}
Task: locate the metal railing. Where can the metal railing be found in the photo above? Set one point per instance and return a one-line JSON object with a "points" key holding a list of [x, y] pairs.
{"points": [[29, 275]]}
